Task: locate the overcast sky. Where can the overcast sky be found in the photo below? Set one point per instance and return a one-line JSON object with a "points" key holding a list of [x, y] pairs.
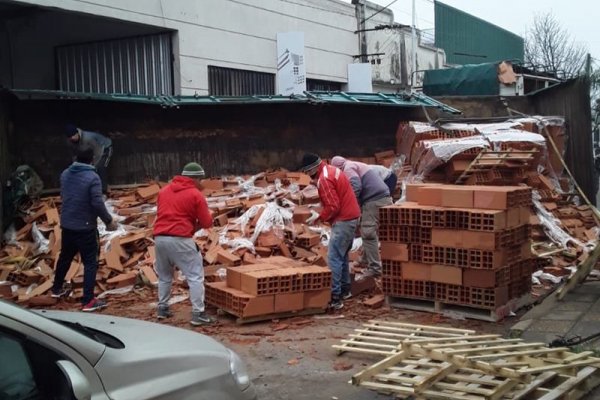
{"points": [[580, 17]]}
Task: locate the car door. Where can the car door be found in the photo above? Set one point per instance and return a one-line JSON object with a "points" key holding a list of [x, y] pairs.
{"points": [[31, 371]]}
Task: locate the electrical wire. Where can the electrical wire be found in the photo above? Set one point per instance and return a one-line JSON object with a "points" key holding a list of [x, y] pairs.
{"points": [[383, 9]]}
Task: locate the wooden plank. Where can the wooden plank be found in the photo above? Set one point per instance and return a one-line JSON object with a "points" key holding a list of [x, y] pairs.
{"points": [[378, 367], [570, 384], [525, 392]]}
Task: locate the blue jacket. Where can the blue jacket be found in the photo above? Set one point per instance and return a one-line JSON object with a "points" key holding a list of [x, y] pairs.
{"points": [[82, 202]]}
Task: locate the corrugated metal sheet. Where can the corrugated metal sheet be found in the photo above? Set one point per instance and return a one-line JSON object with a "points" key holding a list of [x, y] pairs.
{"points": [[467, 39], [239, 82], [140, 65], [403, 100]]}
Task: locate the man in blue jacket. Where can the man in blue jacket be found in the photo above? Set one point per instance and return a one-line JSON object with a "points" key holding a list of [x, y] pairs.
{"points": [[82, 204], [100, 145]]}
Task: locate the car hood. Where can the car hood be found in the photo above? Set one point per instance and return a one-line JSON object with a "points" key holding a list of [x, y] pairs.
{"points": [[171, 358]]}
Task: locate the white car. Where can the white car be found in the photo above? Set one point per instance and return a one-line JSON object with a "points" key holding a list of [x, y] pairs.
{"points": [[70, 355]]}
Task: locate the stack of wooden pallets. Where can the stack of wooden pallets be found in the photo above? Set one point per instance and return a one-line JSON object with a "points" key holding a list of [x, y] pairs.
{"points": [[424, 362]]}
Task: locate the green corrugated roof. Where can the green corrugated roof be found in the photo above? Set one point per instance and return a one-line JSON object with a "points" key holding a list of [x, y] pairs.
{"points": [[379, 99]]}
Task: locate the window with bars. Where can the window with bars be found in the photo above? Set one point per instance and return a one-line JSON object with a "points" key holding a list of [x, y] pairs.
{"points": [[239, 82]]}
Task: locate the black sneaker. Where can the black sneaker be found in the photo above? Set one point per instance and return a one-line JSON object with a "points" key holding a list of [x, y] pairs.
{"points": [[346, 295], [60, 293], [163, 313], [201, 318], [336, 304]]}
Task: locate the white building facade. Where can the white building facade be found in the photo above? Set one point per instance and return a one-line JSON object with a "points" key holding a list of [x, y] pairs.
{"points": [[203, 47]]}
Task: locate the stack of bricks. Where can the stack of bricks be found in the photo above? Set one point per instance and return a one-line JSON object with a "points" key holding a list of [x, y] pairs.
{"points": [[463, 245], [273, 286]]}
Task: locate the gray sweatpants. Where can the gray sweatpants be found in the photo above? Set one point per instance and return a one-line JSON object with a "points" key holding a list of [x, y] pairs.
{"points": [[369, 224], [181, 252]]}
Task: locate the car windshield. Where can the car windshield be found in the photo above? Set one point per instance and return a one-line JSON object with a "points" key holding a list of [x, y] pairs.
{"points": [[94, 334]]}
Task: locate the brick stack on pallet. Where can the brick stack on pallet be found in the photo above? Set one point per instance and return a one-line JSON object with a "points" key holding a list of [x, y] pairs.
{"points": [[451, 245], [274, 287]]}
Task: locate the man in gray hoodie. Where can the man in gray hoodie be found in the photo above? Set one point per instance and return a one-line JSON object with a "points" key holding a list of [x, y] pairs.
{"points": [[100, 145], [372, 193], [82, 204]]}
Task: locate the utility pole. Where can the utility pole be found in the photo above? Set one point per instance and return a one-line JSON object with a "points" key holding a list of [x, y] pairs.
{"points": [[362, 37], [414, 46]]}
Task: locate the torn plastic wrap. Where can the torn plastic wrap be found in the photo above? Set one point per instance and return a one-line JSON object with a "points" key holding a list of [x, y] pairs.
{"points": [[237, 244], [538, 275], [552, 225], [10, 235], [273, 216], [41, 243], [324, 232], [433, 153]]}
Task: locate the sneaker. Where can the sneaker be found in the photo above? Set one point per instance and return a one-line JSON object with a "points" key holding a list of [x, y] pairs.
{"points": [[163, 313], [346, 295], [60, 293], [366, 274], [93, 305], [201, 318], [336, 304]]}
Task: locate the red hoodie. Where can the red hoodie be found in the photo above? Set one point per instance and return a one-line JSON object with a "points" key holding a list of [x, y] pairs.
{"points": [[182, 209], [338, 199]]}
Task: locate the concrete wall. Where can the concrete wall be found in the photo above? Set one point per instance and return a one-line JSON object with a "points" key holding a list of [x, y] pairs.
{"points": [[151, 142], [230, 33]]}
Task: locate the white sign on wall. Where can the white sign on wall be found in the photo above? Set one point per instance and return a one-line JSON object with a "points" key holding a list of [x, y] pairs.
{"points": [[291, 69], [359, 78]]}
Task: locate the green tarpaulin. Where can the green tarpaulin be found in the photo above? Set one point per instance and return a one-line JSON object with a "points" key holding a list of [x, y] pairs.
{"points": [[466, 80]]}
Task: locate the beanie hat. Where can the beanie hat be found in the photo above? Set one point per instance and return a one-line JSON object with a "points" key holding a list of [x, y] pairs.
{"points": [[310, 161], [338, 162], [70, 130], [193, 170]]}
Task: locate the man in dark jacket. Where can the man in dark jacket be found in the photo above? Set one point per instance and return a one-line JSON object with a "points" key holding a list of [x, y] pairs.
{"points": [[372, 193], [182, 210], [100, 145], [82, 204]]}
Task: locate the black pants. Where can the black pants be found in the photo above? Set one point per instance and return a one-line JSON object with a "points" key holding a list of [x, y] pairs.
{"points": [[87, 244], [102, 168], [391, 183]]}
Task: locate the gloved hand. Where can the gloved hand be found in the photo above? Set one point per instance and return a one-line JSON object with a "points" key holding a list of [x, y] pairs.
{"points": [[313, 217], [113, 226]]}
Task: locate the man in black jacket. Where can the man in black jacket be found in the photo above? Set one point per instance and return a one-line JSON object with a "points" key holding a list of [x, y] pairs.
{"points": [[82, 204]]}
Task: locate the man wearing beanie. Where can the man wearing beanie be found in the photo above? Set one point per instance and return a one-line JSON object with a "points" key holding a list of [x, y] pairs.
{"points": [[182, 210], [101, 146], [340, 209]]}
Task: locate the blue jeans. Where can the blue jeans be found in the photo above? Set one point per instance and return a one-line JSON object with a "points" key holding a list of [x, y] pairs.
{"points": [[340, 243], [87, 244]]}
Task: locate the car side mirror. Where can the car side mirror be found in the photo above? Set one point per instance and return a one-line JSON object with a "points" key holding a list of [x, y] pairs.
{"points": [[77, 380]]}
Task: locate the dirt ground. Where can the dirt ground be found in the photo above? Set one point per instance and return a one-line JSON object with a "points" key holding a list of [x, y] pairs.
{"points": [[293, 358]]}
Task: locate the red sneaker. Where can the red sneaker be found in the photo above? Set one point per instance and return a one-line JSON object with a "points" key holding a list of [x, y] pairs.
{"points": [[93, 305]]}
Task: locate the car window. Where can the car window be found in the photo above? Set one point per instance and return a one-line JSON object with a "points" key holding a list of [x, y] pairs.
{"points": [[16, 374]]}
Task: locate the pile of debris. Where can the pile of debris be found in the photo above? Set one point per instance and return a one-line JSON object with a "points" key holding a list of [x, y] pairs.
{"points": [[430, 362], [257, 219]]}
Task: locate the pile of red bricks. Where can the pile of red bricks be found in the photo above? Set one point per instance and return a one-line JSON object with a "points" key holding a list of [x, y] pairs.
{"points": [[465, 245], [274, 285]]}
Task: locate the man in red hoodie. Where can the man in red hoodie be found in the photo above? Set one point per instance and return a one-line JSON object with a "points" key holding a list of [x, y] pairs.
{"points": [[182, 210], [340, 209]]}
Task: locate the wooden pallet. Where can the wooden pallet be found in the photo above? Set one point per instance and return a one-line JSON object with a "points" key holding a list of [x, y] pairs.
{"points": [[440, 307], [509, 358], [583, 270], [385, 338], [487, 160], [268, 317], [425, 379], [425, 362]]}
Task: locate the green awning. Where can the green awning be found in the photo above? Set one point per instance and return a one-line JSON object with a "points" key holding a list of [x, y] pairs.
{"points": [[314, 97]]}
